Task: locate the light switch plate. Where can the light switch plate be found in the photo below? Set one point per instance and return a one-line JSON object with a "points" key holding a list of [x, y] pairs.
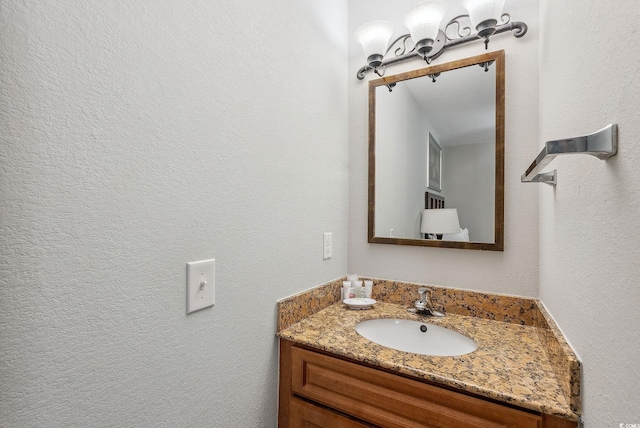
{"points": [[201, 285]]}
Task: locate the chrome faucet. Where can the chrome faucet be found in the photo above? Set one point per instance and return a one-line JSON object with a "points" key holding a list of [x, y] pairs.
{"points": [[424, 305]]}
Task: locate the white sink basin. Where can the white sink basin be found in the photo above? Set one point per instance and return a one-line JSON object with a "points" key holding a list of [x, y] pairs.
{"points": [[407, 335]]}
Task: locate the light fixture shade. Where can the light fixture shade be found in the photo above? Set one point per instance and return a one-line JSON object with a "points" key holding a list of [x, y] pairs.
{"points": [[442, 220], [481, 10], [423, 20], [374, 37]]}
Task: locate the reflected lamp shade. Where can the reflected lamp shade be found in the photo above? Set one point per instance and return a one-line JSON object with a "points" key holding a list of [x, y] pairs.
{"points": [[374, 37], [483, 10], [438, 221], [423, 21]]}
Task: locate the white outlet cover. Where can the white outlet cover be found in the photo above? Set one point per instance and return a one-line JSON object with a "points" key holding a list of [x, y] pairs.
{"points": [[201, 285], [327, 246]]}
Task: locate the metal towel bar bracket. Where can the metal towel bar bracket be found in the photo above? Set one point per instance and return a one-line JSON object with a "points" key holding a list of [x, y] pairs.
{"points": [[602, 144]]}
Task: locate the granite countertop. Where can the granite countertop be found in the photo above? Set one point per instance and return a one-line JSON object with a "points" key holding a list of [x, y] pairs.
{"points": [[510, 365]]}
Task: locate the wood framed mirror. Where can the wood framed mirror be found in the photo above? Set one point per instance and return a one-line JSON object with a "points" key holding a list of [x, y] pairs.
{"points": [[436, 140]]}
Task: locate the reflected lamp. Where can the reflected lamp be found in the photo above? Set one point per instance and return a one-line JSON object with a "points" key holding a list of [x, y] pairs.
{"points": [[439, 221]]}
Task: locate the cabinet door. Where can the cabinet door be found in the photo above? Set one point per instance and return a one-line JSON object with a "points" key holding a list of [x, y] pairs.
{"points": [[306, 415], [392, 401]]}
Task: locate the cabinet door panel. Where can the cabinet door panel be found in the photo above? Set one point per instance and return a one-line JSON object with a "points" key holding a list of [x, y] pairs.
{"points": [[306, 415]]}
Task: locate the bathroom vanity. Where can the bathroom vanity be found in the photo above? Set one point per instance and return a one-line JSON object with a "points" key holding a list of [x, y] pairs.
{"points": [[330, 376], [323, 390]]}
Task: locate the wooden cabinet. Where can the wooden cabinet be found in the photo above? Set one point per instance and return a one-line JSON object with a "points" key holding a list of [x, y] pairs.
{"points": [[378, 398]]}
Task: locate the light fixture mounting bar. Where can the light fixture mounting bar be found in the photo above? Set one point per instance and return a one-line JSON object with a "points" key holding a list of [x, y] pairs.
{"points": [[442, 43]]}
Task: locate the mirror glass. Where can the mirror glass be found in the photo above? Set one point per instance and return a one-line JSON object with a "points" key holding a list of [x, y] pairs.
{"points": [[438, 144]]}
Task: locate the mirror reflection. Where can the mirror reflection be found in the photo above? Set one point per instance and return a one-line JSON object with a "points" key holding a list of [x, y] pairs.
{"points": [[436, 155]]}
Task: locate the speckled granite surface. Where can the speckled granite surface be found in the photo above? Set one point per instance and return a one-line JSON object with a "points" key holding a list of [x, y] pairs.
{"points": [[516, 310], [295, 308], [522, 357], [563, 360], [511, 309]]}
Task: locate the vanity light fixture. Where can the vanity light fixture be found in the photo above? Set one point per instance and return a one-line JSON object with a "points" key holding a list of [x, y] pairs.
{"points": [[485, 19]]}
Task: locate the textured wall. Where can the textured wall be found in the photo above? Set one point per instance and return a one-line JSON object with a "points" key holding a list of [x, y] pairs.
{"points": [[136, 137], [589, 250], [514, 271]]}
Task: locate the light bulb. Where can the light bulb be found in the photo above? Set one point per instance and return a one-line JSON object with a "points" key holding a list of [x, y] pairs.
{"points": [[374, 37], [484, 13], [423, 21]]}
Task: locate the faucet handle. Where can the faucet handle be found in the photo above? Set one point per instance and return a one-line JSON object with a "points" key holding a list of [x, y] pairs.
{"points": [[424, 304]]}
